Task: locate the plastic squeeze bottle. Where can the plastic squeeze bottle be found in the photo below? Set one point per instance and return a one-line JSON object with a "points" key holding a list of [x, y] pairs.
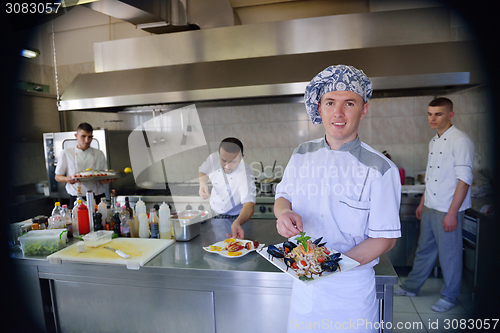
{"points": [[143, 225], [83, 219], [153, 222], [102, 208], [140, 207], [57, 209], [165, 221]]}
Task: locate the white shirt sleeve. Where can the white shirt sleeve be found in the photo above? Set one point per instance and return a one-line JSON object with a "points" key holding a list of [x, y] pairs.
{"points": [[463, 150], [100, 160], [62, 164]]}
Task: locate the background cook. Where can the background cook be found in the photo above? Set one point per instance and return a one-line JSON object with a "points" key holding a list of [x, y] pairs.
{"points": [[233, 188], [341, 189], [77, 159]]}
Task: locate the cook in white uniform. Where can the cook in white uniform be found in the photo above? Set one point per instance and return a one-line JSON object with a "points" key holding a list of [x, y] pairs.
{"points": [[339, 188], [233, 185], [77, 159]]}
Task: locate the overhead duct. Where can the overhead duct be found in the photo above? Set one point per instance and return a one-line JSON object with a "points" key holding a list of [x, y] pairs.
{"points": [[406, 50], [166, 16]]}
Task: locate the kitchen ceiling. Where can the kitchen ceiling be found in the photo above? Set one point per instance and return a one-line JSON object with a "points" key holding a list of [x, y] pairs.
{"points": [[272, 48]]}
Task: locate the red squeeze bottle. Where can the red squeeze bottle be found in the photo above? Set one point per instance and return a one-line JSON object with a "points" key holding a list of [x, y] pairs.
{"points": [[83, 220], [402, 175]]}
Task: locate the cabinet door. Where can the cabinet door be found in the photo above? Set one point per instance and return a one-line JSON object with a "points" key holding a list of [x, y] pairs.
{"points": [[91, 307]]}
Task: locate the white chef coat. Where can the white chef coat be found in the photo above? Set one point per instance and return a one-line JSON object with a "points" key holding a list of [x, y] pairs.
{"points": [[74, 160], [451, 157], [229, 191], [344, 196]]}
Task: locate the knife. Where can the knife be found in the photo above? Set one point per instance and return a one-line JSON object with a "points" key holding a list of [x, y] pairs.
{"points": [[118, 252]]}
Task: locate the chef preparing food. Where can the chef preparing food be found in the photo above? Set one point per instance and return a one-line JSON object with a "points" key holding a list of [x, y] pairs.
{"points": [[233, 188], [78, 159], [341, 189]]}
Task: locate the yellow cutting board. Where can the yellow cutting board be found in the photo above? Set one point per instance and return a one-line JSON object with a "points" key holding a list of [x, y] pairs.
{"points": [[140, 250]]}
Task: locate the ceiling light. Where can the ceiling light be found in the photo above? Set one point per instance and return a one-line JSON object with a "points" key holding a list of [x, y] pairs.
{"points": [[30, 53]]}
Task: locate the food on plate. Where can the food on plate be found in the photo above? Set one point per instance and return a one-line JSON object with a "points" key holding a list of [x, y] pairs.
{"points": [[187, 217], [306, 258], [233, 247], [95, 173]]}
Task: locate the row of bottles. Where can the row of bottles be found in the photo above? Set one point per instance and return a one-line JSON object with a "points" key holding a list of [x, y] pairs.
{"points": [[119, 218]]}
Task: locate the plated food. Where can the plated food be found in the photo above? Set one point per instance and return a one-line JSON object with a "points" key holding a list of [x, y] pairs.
{"points": [[232, 247], [307, 260], [88, 175]]}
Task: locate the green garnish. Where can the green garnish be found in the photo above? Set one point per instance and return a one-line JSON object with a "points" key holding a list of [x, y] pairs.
{"points": [[303, 239], [305, 278]]}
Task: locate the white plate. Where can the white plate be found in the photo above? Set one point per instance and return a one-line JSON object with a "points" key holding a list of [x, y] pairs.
{"points": [[345, 264], [224, 252]]}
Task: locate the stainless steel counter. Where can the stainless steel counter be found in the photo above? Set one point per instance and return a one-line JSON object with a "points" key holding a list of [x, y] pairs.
{"points": [[182, 289]]}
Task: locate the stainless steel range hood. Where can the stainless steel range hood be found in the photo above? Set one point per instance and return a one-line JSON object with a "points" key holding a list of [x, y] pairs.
{"points": [[400, 50]]}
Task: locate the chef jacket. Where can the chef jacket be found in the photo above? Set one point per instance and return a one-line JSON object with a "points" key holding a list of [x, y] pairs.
{"points": [[451, 157], [229, 191], [74, 160], [345, 195]]}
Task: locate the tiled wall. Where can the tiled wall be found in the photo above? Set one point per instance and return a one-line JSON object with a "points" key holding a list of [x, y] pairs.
{"points": [[271, 132]]}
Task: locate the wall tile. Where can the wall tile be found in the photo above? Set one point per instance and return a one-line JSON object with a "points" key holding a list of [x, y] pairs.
{"points": [[279, 112], [403, 106], [298, 111], [365, 130], [382, 128], [315, 131], [298, 132], [403, 129], [380, 107], [259, 113]]}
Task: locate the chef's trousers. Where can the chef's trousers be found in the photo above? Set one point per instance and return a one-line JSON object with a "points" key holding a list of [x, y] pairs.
{"points": [[434, 241], [346, 301]]}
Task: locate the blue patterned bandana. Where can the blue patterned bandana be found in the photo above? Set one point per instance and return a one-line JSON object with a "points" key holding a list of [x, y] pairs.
{"points": [[335, 78]]}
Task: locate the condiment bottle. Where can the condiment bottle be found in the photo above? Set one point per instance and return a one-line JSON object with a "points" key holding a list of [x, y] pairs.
{"points": [[74, 218], [140, 207], [153, 224], [165, 221], [133, 224], [124, 222], [83, 219], [102, 208], [129, 209], [143, 225], [97, 221], [57, 209], [116, 219]]}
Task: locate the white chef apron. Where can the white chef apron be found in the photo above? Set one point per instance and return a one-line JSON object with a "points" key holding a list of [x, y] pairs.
{"points": [[346, 302]]}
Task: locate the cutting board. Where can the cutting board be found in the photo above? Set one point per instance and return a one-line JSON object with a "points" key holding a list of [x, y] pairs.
{"points": [[141, 250]]}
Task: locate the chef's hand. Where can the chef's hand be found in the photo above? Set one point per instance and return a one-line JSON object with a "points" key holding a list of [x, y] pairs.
{"points": [[71, 180], [289, 224], [418, 212], [449, 222], [237, 231], [204, 194]]}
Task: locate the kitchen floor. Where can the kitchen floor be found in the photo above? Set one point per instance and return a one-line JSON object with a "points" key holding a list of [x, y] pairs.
{"points": [[414, 314]]}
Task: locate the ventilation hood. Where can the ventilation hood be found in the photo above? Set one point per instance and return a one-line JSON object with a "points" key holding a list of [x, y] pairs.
{"points": [[402, 51]]}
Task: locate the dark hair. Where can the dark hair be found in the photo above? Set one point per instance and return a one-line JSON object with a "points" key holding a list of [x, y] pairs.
{"points": [[231, 145], [442, 101], [85, 127]]}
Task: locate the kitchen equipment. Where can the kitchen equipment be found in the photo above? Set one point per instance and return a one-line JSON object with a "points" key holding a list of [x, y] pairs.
{"points": [[98, 238], [187, 226], [43, 242], [140, 251], [118, 252]]}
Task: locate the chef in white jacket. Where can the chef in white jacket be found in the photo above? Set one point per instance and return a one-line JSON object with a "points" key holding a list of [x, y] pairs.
{"points": [[341, 189], [233, 193]]}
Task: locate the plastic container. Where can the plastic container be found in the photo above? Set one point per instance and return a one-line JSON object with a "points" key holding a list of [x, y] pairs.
{"points": [[143, 225], [83, 219], [187, 226], [43, 242], [140, 207], [102, 208], [97, 238], [165, 224], [153, 224], [124, 222], [57, 209]]}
